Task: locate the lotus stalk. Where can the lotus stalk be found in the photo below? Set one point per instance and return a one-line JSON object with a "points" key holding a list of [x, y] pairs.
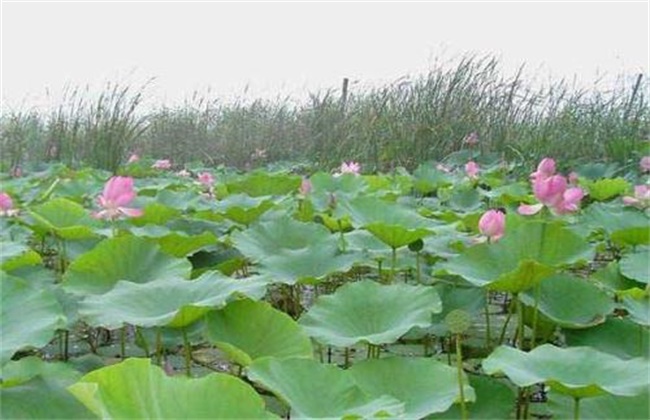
{"points": [[459, 321]]}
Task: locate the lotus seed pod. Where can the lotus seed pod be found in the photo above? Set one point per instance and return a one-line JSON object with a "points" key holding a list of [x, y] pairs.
{"points": [[458, 321]]}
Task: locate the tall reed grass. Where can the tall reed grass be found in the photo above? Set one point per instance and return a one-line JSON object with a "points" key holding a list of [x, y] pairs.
{"points": [[399, 124]]}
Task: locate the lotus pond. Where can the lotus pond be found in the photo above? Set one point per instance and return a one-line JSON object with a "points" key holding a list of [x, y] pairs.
{"points": [[456, 291]]}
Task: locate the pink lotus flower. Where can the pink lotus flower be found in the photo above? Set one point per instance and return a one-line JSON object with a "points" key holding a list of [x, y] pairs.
{"points": [[118, 192], [645, 164], [206, 179], [162, 164], [133, 158], [472, 169], [492, 224], [349, 168], [641, 198], [552, 191], [305, 186], [6, 204]]}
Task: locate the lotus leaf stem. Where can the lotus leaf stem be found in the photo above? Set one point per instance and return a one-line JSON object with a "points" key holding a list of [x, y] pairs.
{"points": [[459, 367]]}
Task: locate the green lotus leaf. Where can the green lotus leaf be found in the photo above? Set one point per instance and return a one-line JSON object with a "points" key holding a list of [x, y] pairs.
{"points": [[128, 258], [291, 251], [620, 337], [623, 224], [259, 184], [64, 218], [179, 245], [136, 389], [369, 312], [521, 259], [606, 188], [471, 300], [425, 386], [465, 199], [571, 302], [243, 209], [173, 302], [15, 255], [494, 400], [611, 278], [179, 200], [636, 265], [576, 371], [315, 390], [427, 179], [396, 236], [604, 407], [638, 308], [30, 316], [30, 379], [246, 330]]}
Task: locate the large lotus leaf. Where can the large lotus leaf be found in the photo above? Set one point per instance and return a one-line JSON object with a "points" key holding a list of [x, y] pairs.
{"points": [[15, 255], [258, 184], [64, 218], [291, 251], [522, 258], [369, 312], [155, 213], [606, 188], [470, 300], [31, 379], [427, 179], [576, 371], [637, 306], [243, 209], [611, 278], [636, 265], [465, 199], [173, 302], [30, 316], [604, 407], [136, 389], [571, 302], [367, 210], [128, 258], [316, 390], [623, 224], [494, 400], [179, 200], [425, 386], [247, 330], [620, 337], [182, 245]]}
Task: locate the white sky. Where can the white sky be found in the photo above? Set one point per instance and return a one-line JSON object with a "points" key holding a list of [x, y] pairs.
{"points": [[278, 48]]}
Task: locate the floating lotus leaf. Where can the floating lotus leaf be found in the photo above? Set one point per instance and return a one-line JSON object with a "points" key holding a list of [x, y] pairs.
{"points": [[521, 259], [315, 390], [127, 258], [427, 179], [109, 393], [291, 251], [30, 379], [155, 213], [606, 188], [425, 386], [576, 371], [603, 407], [571, 302], [465, 199], [243, 209], [369, 312], [248, 330], [623, 224], [638, 308], [259, 184], [30, 316], [620, 337], [636, 265], [15, 255], [181, 245], [64, 218], [173, 302]]}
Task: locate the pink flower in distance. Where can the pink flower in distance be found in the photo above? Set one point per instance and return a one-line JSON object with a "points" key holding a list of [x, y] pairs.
{"points": [[6, 204], [206, 179], [133, 158], [641, 198], [349, 168], [118, 193], [472, 169], [305, 186], [162, 164], [492, 224], [552, 191], [471, 139], [645, 164]]}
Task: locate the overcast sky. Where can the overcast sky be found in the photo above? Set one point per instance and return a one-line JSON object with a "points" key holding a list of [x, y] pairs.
{"points": [[278, 48]]}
